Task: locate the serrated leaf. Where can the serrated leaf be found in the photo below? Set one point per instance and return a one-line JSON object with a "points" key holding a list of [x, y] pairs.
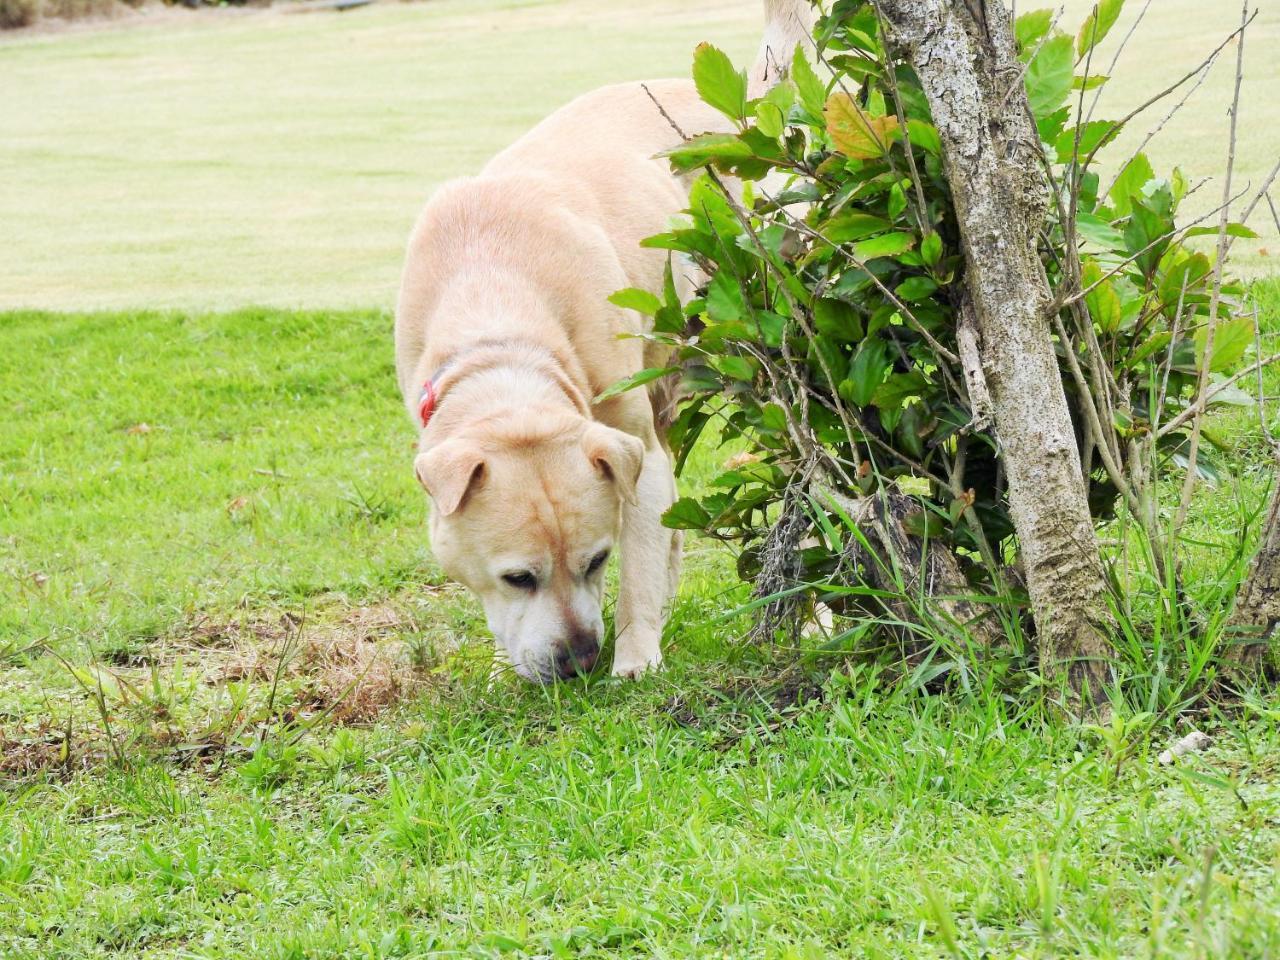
{"points": [[718, 83], [1097, 25], [1099, 232], [769, 120], [809, 86], [1102, 300], [854, 132], [837, 319], [1031, 27], [633, 298], [1137, 172], [1049, 75]]}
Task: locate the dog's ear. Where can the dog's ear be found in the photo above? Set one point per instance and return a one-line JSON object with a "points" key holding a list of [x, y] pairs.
{"points": [[449, 471], [619, 455]]}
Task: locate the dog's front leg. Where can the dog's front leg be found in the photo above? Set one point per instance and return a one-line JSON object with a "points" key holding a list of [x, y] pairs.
{"points": [[649, 562]]}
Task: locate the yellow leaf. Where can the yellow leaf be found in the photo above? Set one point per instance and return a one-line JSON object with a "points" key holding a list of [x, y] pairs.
{"points": [[856, 133]]}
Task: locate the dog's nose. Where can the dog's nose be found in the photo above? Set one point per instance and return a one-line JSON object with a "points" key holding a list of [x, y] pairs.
{"points": [[578, 655]]}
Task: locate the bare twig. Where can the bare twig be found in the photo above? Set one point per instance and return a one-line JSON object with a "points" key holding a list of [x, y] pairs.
{"points": [[1205, 398], [1154, 131], [1215, 297]]}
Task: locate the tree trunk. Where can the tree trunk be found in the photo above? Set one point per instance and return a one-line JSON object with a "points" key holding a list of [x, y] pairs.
{"points": [[1253, 622], [965, 58]]}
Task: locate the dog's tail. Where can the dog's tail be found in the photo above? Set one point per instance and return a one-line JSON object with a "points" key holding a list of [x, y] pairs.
{"points": [[786, 23]]}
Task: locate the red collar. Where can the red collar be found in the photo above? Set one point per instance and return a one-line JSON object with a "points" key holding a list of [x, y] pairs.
{"points": [[427, 402]]}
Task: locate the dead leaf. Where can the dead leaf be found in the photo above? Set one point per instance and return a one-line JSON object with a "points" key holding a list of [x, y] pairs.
{"points": [[740, 460], [856, 133], [138, 429]]}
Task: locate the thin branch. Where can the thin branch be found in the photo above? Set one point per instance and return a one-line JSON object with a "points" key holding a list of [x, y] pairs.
{"points": [[1204, 400], [1154, 131], [1197, 419], [1223, 209], [1175, 85]]}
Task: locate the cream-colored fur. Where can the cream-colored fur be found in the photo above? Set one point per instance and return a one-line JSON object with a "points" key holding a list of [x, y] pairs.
{"points": [[503, 307]]}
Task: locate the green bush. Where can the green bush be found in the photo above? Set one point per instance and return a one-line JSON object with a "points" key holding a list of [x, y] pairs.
{"points": [[826, 338]]}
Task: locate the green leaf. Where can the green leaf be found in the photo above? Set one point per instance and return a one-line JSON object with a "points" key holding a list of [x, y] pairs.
{"points": [[1230, 340], [1049, 75], [1091, 82], [925, 136], [891, 394], [931, 249], [1097, 25], [853, 225], [1233, 230], [897, 200], [1155, 343], [724, 298], [686, 514], [1102, 300], [633, 298], [1031, 27], [1092, 136], [888, 245], [812, 91], [837, 319], [633, 381], [735, 367], [1129, 184], [1099, 232], [769, 120], [718, 83], [707, 148], [916, 288], [866, 372]]}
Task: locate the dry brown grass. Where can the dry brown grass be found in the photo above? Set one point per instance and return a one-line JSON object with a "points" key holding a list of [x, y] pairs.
{"points": [[203, 690]]}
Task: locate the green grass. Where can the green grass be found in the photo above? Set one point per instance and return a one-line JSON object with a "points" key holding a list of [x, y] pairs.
{"points": [[732, 806], [221, 161], [241, 713]]}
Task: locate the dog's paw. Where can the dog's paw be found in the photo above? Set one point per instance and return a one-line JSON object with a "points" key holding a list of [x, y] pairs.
{"points": [[634, 667]]}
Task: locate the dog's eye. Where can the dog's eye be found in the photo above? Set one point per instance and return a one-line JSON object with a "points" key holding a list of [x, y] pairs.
{"points": [[597, 562], [521, 580]]}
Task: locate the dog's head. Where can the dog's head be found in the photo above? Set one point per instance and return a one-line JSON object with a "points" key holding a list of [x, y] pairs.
{"points": [[526, 514]]}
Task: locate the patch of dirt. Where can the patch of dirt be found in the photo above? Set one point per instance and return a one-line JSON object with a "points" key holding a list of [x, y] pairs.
{"points": [[351, 665], [26, 753], [729, 711], [341, 665]]}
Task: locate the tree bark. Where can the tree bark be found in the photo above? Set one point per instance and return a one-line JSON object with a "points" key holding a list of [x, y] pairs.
{"points": [[965, 58], [1252, 626]]}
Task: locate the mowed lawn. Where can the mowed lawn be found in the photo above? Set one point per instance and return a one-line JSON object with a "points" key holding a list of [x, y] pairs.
{"points": [[306, 758], [270, 158], [243, 715]]}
